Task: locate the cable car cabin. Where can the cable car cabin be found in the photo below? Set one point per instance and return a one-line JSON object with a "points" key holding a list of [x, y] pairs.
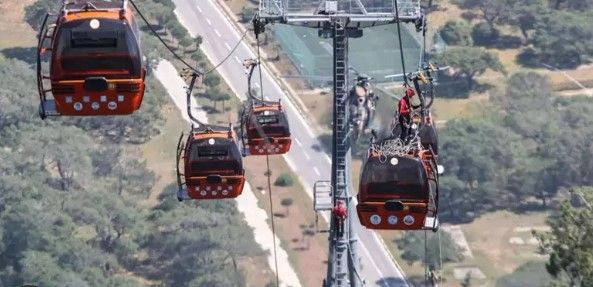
{"points": [[95, 61], [399, 192], [213, 167], [265, 130]]}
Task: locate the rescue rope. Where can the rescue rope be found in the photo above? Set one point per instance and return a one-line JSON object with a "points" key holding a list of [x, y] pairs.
{"points": [[155, 33], [401, 46], [261, 82], [396, 147]]}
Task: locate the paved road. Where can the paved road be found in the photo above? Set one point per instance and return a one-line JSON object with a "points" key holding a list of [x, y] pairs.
{"points": [[203, 17]]}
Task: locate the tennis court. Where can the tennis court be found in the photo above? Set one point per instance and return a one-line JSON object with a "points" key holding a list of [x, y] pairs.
{"points": [[376, 54]]}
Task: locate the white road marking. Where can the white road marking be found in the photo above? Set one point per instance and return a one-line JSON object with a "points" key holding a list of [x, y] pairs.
{"points": [[208, 21], [217, 33], [298, 142], [316, 171], [306, 155], [238, 60], [199, 9], [227, 45], [375, 267]]}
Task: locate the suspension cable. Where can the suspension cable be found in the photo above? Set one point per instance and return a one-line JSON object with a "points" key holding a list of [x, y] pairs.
{"points": [[425, 258], [268, 143], [401, 46], [155, 33], [272, 217], [261, 82]]}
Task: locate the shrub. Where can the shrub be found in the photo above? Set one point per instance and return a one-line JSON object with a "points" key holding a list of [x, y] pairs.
{"points": [[457, 33], [284, 179], [483, 34]]}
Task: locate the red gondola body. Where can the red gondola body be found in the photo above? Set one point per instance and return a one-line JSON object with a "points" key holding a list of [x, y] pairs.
{"points": [[96, 65], [212, 165], [265, 130], [400, 192]]}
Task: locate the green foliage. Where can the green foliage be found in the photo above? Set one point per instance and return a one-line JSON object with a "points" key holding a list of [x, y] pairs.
{"points": [[185, 42], [532, 144], [530, 274], [457, 33], [412, 244], [212, 80], [578, 5], [72, 198], [492, 11], [483, 34], [35, 13], [284, 179], [247, 14], [72, 209], [570, 244], [563, 39], [470, 62]]}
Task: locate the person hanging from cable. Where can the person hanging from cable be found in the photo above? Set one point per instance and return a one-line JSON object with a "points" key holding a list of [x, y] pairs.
{"points": [[340, 212], [404, 108]]}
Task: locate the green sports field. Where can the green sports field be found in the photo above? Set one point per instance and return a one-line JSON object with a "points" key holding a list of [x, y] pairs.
{"points": [[376, 54]]}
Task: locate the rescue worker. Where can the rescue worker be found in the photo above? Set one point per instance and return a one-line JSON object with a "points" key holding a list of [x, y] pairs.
{"points": [[405, 110], [340, 212]]}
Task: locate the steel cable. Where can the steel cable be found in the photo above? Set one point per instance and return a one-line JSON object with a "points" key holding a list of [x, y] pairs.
{"points": [[155, 33]]}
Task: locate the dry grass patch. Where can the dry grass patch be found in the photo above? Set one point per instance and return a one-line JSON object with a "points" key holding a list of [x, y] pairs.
{"points": [[13, 28], [307, 251]]}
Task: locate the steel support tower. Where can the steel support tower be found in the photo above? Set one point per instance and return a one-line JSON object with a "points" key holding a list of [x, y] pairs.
{"points": [[340, 20]]}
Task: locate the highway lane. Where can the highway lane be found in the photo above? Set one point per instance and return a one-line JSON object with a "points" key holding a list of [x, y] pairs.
{"points": [[203, 17]]}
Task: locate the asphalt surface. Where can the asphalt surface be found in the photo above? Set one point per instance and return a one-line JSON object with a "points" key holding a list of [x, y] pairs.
{"points": [[306, 158]]}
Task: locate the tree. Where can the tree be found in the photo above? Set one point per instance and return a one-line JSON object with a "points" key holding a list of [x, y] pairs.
{"points": [[216, 95], [457, 33], [286, 202], [247, 14], [492, 11], [484, 34], [470, 62], [185, 42], [578, 5], [530, 274], [198, 41], [35, 13], [212, 80], [412, 244], [570, 244], [528, 14], [285, 179], [493, 153], [563, 39]]}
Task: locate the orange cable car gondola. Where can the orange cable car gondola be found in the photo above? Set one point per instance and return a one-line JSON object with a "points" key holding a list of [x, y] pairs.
{"points": [[399, 183], [212, 164], [95, 61], [264, 125]]}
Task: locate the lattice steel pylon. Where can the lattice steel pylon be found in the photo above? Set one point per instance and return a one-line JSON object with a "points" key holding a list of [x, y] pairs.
{"points": [[340, 19]]}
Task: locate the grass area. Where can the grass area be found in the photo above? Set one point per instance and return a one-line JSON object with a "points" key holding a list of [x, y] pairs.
{"points": [[15, 32], [489, 240], [448, 109], [159, 152]]}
